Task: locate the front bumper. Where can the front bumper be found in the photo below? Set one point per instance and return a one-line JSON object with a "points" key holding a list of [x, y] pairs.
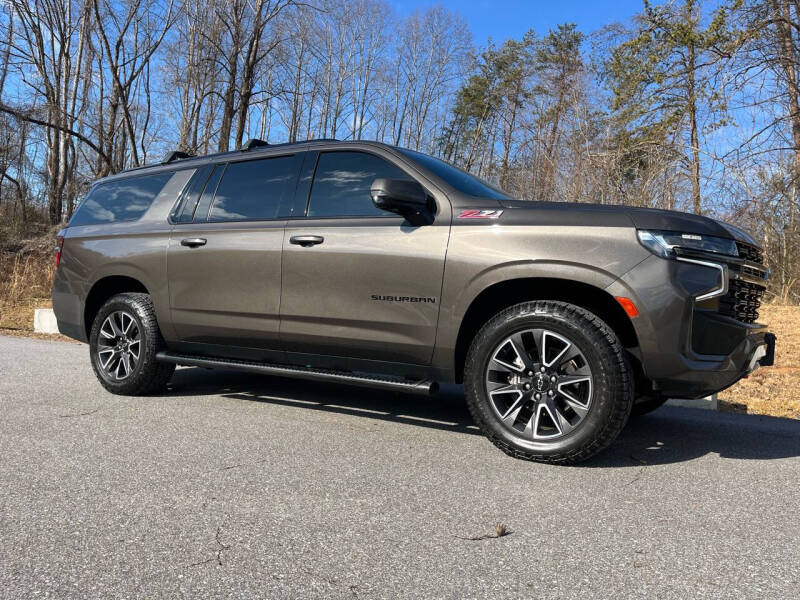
{"points": [[767, 359], [705, 377], [687, 349]]}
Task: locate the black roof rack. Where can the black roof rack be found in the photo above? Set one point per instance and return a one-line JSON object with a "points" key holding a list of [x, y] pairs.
{"points": [[253, 143], [175, 155]]}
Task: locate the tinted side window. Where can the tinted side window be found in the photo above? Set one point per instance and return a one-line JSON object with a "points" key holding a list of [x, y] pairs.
{"points": [[342, 181], [120, 201], [201, 210], [184, 210], [256, 189]]}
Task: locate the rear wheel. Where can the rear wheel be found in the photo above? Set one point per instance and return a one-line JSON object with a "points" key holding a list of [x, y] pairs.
{"points": [[123, 344], [548, 381]]}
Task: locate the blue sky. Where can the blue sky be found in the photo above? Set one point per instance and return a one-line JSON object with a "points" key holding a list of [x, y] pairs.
{"points": [[503, 19]]}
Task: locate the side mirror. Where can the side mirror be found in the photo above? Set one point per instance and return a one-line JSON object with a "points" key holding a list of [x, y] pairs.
{"points": [[402, 197]]}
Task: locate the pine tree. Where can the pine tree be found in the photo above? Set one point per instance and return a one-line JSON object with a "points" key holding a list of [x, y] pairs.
{"points": [[664, 80]]}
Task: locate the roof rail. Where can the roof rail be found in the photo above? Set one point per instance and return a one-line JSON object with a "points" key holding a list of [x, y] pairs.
{"points": [[175, 155], [253, 143]]}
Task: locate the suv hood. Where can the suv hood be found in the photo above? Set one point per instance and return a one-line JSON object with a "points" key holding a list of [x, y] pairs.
{"points": [[641, 218]]}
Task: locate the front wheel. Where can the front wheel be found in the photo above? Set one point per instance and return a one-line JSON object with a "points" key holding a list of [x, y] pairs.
{"points": [[548, 381], [123, 344]]}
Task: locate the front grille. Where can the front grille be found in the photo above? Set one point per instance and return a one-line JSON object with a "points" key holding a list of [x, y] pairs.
{"points": [[742, 300], [746, 286], [750, 252]]}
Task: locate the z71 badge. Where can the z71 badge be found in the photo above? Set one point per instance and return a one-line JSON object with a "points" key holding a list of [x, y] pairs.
{"points": [[479, 214]]}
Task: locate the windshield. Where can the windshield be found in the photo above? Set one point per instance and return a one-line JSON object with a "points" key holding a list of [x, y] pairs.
{"points": [[460, 180]]}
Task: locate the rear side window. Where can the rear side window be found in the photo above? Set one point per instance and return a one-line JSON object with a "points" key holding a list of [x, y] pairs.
{"points": [[120, 201], [342, 182], [256, 190], [184, 210]]}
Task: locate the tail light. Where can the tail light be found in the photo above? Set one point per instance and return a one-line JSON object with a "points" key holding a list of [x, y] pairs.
{"points": [[59, 246]]}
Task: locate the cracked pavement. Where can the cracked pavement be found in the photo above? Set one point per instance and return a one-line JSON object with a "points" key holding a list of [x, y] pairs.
{"points": [[236, 485]]}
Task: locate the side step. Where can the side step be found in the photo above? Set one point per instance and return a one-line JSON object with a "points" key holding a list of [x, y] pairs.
{"points": [[397, 384]]}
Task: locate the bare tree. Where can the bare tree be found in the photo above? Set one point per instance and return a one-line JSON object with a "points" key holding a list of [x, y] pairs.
{"points": [[241, 49], [51, 39]]}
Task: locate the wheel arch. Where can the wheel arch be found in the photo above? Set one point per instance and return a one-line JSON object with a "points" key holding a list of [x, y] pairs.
{"points": [[103, 289], [503, 294]]}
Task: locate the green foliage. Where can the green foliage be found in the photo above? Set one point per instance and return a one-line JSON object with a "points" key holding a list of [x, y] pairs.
{"points": [[665, 81], [668, 68], [558, 56], [498, 79], [503, 82]]}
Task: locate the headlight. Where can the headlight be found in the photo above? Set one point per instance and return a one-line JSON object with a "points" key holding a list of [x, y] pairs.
{"points": [[663, 243]]}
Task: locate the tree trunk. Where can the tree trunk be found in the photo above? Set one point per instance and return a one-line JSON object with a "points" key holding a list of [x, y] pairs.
{"points": [[228, 106], [788, 61], [695, 137]]}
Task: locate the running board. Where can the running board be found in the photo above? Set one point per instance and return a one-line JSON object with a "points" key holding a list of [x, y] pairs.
{"points": [[396, 384]]}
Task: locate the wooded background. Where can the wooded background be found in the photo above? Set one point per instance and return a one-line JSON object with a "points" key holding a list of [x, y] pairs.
{"points": [[689, 105]]}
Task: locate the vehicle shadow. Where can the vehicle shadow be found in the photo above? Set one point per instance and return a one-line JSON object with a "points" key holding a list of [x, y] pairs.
{"points": [[668, 435], [673, 434], [446, 411]]}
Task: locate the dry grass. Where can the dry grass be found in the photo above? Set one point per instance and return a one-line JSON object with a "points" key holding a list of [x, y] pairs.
{"points": [[26, 277], [772, 390], [500, 530]]}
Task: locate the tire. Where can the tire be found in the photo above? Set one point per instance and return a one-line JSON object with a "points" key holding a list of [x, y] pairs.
{"points": [[125, 323], [646, 405], [589, 413]]}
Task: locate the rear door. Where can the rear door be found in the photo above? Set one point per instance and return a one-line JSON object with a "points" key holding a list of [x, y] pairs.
{"points": [[359, 282], [224, 257]]}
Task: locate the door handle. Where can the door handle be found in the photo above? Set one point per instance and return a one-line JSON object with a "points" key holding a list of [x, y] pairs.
{"points": [[306, 240], [193, 242]]}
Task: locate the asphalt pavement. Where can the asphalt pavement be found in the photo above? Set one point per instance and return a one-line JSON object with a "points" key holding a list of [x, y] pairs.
{"points": [[236, 485]]}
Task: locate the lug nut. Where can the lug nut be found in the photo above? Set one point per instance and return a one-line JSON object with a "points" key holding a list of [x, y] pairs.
{"points": [[527, 386], [538, 396], [553, 378], [550, 392], [542, 369], [529, 373]]}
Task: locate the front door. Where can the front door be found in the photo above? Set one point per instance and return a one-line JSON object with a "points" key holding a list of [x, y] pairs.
{"points": [[224, 259], [359, 282]]}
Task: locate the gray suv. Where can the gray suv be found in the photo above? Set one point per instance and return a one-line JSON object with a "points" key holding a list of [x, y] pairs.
{"points": [[366, 264]]}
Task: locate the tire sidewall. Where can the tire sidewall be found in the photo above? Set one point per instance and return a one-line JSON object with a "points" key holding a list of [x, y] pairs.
{"points": [[126, 304], [579, 331]]}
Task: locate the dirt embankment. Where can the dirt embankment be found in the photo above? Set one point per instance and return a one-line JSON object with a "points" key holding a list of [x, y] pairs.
{"points": [[27, 264]]}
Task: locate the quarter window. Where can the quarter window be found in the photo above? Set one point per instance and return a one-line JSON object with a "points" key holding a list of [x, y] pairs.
{"points": [[342, 182], [120, 201], [256, 190]]}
